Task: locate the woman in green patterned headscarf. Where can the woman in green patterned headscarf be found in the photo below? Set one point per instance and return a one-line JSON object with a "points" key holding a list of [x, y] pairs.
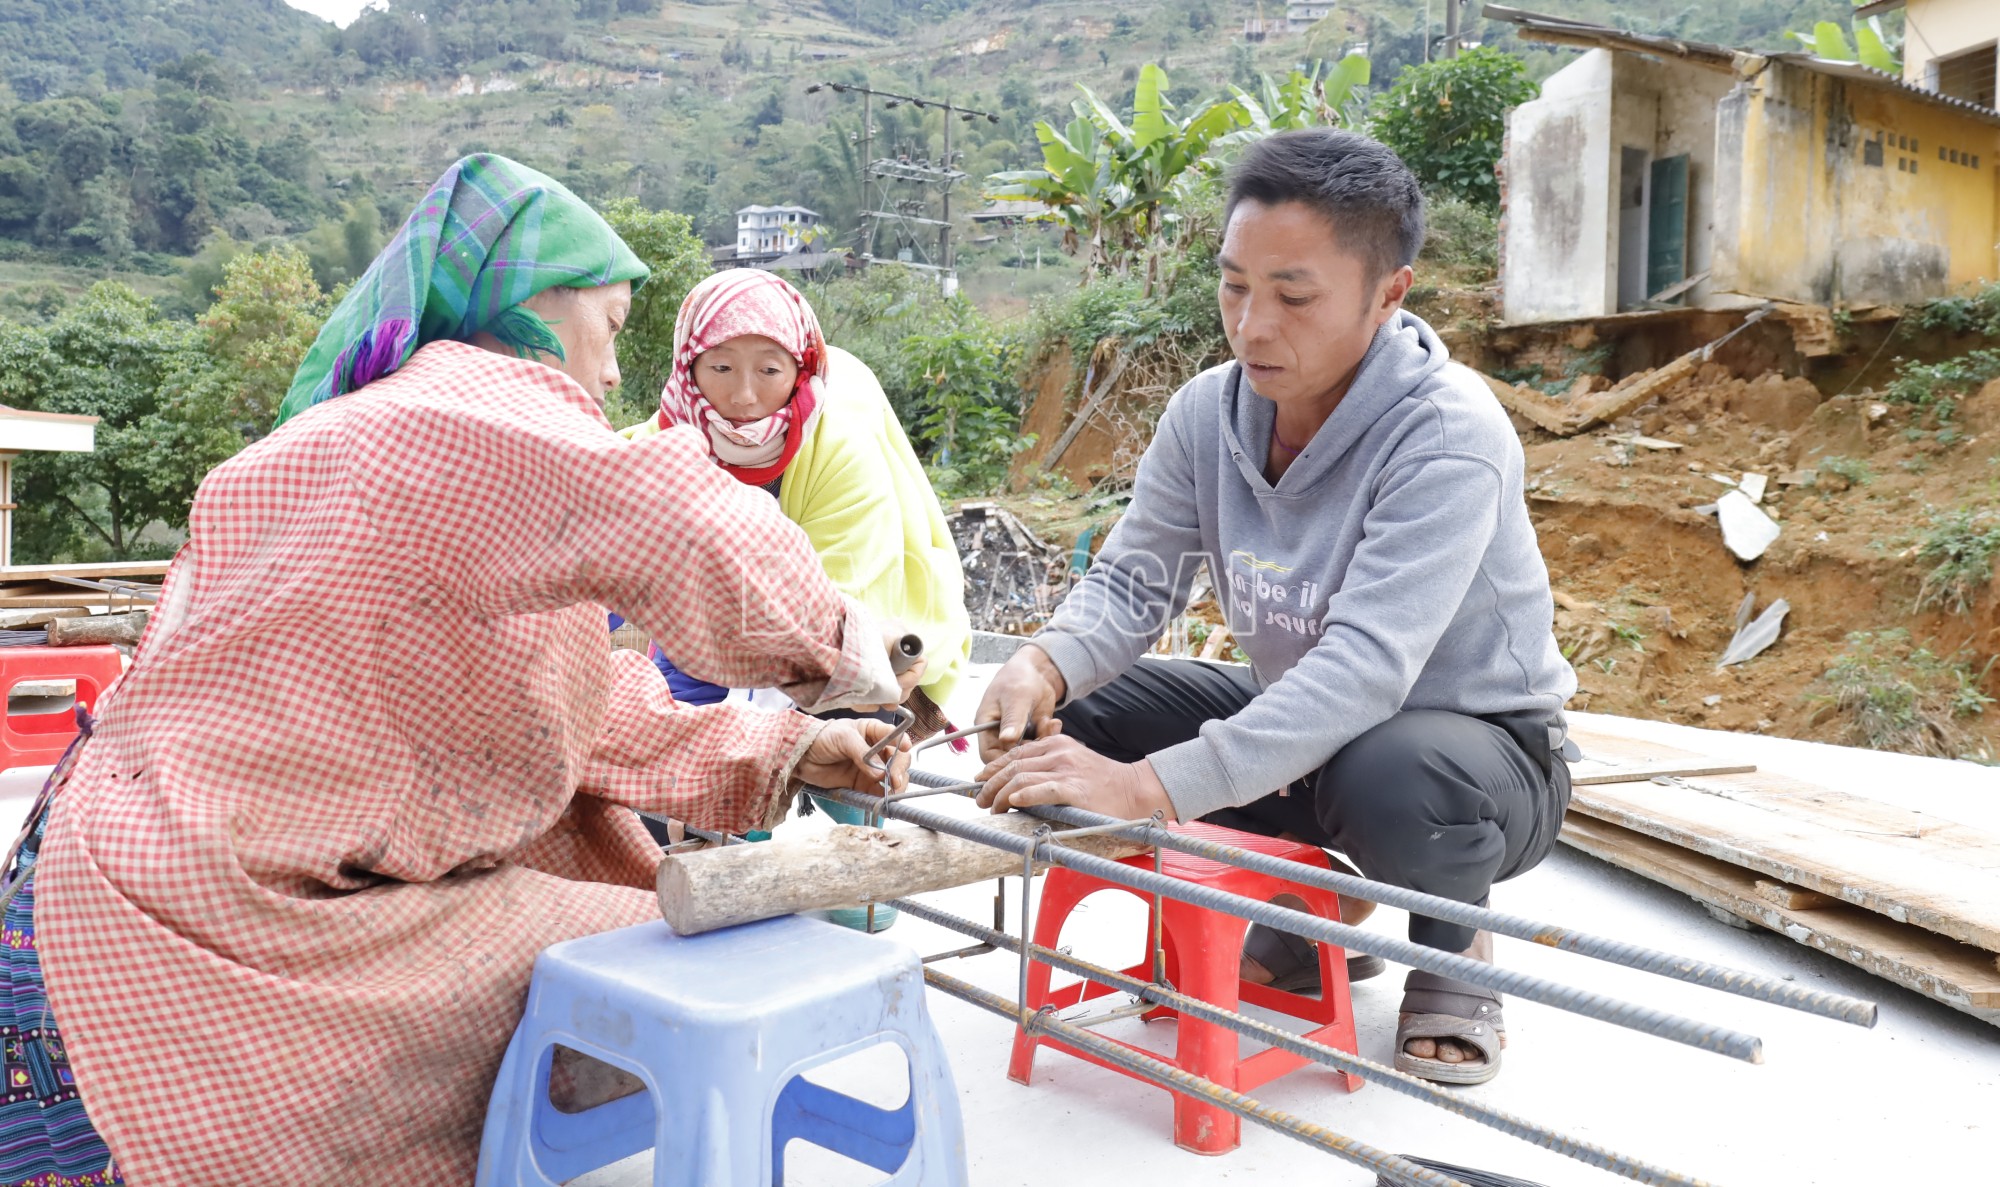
{"points": [[489, 237], [388, 753]]}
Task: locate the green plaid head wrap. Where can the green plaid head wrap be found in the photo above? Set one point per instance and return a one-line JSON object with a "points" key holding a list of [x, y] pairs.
{"points": [[490, 234]]}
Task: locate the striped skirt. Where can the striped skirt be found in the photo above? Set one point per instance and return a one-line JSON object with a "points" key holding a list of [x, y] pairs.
{"points": [[46, 1140]]}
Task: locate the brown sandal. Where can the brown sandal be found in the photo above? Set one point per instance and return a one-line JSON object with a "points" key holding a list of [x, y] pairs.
{"points": [[1444, 1008]]}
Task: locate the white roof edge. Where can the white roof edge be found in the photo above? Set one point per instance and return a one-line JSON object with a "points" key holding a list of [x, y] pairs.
{"points": [[23, 431]]}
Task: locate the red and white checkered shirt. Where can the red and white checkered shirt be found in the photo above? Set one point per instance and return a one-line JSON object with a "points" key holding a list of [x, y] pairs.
{"points": [[368, 762]]}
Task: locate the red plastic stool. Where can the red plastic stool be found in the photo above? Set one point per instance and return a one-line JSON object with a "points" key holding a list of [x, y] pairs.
{"points": [[39, 739], [1203, 953]]}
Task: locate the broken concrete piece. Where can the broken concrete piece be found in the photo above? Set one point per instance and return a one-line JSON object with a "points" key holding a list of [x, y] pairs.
{"points": [[1645, 442], [1724, 479], [1753, 485], [1745, 529], [1752, 638], [1877, 412], [1712, 700]]}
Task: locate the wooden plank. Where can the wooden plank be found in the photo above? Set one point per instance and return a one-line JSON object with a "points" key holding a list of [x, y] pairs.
{"points": [[1594, 774], [1091, 403], [47, 601], [1959, 975], [1539, 409], [128, 569], [1791, 897], [1912, 867]]}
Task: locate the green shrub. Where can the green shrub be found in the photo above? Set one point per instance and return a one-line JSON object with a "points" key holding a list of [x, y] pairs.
{"points": [[971, 410], [1939, 385], [667, 243], [1977, 312], [1447, 120]]}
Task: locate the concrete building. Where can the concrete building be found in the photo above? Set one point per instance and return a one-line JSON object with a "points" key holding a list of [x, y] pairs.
{"points": [[1300, 17], [1655, 171], [1949, 46], [763, 233]]}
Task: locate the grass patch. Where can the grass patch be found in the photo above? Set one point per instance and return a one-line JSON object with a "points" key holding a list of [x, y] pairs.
{"points": [[1854, 470], [1904, 698], [1962, 543], [1461, 242]]}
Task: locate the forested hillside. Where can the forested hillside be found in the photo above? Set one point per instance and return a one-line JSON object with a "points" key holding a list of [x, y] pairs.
{"points": [[140, 131], [60, 47]]}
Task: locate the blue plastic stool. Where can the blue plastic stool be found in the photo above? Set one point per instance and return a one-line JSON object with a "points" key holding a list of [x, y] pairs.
{"points": [[718, 1028]]}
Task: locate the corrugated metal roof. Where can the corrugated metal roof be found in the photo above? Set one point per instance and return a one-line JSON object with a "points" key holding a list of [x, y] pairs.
{"points": [[1856, 72], [1564, 31]]}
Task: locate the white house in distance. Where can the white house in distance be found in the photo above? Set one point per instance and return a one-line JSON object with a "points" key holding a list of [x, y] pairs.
{"points": [[1300, 17], [24, 432], [767, 232]]}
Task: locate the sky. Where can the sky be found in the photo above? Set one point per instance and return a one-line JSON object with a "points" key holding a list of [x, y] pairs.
{"points": [[340, 12]]}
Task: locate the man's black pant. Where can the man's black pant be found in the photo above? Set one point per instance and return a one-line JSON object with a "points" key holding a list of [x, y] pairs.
{"points": [[1434, 801]]}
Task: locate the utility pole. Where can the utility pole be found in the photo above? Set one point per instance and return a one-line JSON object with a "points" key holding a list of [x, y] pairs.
{"points": [[877, 174], [1451, 27], [944, 233], [865, 233]]}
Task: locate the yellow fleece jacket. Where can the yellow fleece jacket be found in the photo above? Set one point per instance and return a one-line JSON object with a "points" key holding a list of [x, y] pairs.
{"points": [[862, 498]]}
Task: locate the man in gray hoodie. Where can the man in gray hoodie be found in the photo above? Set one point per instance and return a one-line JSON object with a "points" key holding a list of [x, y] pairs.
{"points": [[1358, 499]]}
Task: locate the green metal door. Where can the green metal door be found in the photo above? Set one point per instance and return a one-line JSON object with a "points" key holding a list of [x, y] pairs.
{"points": [[1666, 240]]}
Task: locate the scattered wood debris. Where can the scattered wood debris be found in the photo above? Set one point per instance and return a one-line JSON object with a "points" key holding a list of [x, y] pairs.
{"points": [[1567, 420], [1013, 580]]}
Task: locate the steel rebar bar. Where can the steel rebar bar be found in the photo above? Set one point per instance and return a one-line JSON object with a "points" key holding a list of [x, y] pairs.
{"points": [[1660, 1023], [1839, 1007], [1397, 1169], [1507, 1123]]}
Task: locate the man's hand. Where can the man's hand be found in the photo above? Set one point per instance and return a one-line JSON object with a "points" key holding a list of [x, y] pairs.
{"points": [[1059, 770], [1023, 696], [835, 757]]}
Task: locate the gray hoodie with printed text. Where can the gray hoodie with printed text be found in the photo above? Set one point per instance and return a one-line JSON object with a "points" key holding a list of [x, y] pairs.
{"points": [[1392, 567]]}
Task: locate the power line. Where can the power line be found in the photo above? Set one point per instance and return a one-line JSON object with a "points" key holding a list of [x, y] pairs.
{"points": [[906, 217]]}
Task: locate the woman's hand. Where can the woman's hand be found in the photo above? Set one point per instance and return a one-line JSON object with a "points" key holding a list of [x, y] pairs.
{"points": [[907, 680], [1059, 770], [835, 757]]}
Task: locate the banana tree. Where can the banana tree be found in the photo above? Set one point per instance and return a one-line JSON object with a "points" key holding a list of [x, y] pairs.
{"points": [[1109, 180], [1304, 99], [1829, 41], [1157, 154], [1075, 184]]}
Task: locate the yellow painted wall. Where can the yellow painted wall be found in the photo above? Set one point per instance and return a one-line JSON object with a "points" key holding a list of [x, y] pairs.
{"points": [[1941, 28], [1811, 220]]}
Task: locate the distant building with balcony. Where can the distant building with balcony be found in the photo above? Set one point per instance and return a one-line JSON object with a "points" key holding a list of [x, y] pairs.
{"points": [[764, 233], [1300, 17]]}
